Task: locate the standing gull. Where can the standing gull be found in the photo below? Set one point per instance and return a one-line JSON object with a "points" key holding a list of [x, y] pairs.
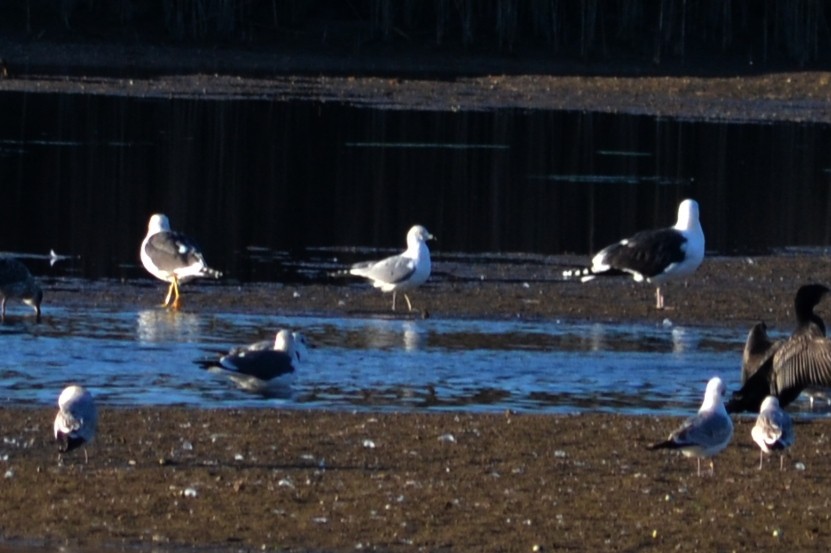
{"points": [[77, 419], [705, 434], [653, 255], [405, 271], [786, 367], [263, 366], [17, 282], [172, 257], [773, 430]]}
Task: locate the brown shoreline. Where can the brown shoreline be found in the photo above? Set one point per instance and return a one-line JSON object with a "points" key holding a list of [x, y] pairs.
{"points": [[734, 292], [417, 80], [337, 481]]}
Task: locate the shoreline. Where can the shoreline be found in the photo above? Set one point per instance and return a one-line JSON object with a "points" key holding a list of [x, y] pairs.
{"points": [[446, 82], [735, 292], [263, 479]]}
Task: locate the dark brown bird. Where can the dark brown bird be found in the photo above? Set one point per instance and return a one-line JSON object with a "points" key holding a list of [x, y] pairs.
{"points": [[785, 368]]}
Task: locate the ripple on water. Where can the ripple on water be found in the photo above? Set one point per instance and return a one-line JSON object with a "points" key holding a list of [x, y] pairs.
{"points": [[147, 357]]}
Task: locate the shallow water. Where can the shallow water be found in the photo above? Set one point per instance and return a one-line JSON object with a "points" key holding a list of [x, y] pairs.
{"points": [[148, 357]]}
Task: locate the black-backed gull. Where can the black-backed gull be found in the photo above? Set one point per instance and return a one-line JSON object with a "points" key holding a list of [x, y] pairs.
{"points": [[263, 366], [172, 257], [653, 256]]}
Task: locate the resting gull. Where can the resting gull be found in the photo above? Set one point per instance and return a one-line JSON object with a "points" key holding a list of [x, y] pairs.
{"points": [[405, 271], [172, 257], [773, 430], [705, 434], [17, 282], [653, 256], [77, 419], [785, 368], [263, 366]]}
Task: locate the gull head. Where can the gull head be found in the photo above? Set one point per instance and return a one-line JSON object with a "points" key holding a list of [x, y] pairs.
{"points": [[714, 393], [33, 296], [418, 234], [687, 214], [158, 223], [293, 343]]}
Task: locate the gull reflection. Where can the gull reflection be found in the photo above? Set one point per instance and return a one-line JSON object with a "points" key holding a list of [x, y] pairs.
{"points": [[166, 325], [414, 336]]}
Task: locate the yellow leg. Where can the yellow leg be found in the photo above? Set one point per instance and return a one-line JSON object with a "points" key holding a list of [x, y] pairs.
{"points": [[176, 302], [393, 300], [174, 292], [409, 305], [169, 294]]}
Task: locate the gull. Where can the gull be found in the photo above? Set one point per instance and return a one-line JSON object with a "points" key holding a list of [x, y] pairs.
{"points": [[77, 419], [263, 366], [173, 257], [773, 430], [405, 271], [17, 282], [785, 368], [653, 256], [706, 433]]}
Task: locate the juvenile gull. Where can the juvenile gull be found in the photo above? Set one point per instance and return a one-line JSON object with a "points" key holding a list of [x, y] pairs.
{"points": [[785, 368], [653, 256], [263, 366], [173, 257], [405, 271], [705, 434], [77, 419], [773, 430], [16, 282]]}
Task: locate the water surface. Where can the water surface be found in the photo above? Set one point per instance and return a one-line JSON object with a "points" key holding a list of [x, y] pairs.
{"points": [[148, 357]]}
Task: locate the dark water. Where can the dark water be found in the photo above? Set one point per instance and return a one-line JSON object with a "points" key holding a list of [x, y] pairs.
{"points": [[81, 175]]}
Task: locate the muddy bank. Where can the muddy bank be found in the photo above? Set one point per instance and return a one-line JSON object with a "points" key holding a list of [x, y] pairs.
{"points": [[725, 291], [415, 80], [311, 481]]}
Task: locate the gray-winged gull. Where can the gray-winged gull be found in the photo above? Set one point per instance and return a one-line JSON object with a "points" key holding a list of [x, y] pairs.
{"points": [[706, 433], [263, 366], [773, 430], [172, 257], [16, 282], [785, 368], [77, 419], [653, 256], [404, 271]]}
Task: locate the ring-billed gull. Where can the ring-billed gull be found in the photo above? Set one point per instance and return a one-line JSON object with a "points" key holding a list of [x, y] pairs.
{"points": [[785, 368], [706, 433], [263, 366], [16, 282], [77, 419], [773, 430], [172, 257], [653, 256], [405, 271]]}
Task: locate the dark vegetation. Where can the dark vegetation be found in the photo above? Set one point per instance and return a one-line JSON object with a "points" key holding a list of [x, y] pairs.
{"points": [[748, 32]]}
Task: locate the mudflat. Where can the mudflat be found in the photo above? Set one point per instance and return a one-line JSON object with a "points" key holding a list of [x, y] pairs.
{"points": [[299, 480]]}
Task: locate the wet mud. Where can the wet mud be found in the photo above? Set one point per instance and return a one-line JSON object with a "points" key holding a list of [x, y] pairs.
{"points": [[335, 481], [262, 479]]}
